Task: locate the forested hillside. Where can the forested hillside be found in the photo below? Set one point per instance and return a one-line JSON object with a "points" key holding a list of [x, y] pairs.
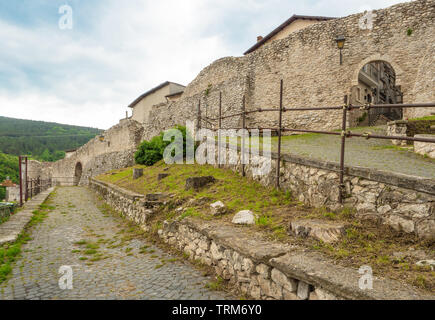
{"points": [[8, 168], [44, 141]]}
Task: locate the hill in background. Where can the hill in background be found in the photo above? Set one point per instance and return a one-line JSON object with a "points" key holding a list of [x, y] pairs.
{"points": [[44, 141]]}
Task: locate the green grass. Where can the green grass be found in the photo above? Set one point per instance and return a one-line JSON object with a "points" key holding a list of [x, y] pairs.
{"points": [[215, 285], [9, 252], [236, 192], [90, 251], [423, 118]]}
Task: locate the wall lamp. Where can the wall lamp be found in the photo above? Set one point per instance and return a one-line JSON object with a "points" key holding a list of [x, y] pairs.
{"points": [[340, 44]]}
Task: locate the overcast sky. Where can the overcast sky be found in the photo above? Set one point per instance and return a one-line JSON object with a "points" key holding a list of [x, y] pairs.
{"points": [[116, 50]]}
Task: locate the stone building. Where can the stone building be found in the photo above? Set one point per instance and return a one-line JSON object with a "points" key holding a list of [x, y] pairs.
{"points": [[167, 91], [308, 61], [12, 190]]}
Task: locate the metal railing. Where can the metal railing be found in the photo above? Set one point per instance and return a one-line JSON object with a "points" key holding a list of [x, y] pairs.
{"points": [[36, 186], [344, 134]]}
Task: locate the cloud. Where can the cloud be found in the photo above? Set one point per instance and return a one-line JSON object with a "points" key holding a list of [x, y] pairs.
{"points": [[117, 50]]}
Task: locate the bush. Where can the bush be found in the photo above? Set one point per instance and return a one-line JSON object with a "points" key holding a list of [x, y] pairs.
{"points": [[150, 152]]}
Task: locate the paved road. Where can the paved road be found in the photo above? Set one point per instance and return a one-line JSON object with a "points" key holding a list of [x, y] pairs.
{"points": [[372, 153], [119, 269]]}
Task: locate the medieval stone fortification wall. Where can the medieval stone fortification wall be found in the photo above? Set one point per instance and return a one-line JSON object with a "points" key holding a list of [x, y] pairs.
{"points": [[114, 152], [308, 62]]}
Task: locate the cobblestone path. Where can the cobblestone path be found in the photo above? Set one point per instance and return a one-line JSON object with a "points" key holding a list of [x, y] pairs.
{"points": [[372, 153], [117, 265]]}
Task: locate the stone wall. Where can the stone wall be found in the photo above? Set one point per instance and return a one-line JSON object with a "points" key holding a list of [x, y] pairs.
{"points": [[406, 203], [12, 194], [258, 268], [426, 149], [308, 62], [115, 151], [131, 204]]}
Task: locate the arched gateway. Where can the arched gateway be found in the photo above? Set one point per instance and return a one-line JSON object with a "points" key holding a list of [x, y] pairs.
{"points": [[78, 173]]}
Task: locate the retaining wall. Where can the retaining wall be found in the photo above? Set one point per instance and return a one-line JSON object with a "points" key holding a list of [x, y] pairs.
{"points": [[258, 268], [406, 203]]}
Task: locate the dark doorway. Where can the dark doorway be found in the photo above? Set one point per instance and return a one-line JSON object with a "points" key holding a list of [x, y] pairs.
{"points": [[78, 173], [377, 85]]}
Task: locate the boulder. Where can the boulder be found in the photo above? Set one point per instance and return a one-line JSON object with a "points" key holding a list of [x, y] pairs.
{"points": [[217, 208], [325, 231], [303, 292], [198, 182], [244, 217], [137, 173], [425, 148], [424, 263]]}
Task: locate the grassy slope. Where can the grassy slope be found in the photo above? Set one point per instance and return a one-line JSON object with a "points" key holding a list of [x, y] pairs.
{"points": [[363, 244]]}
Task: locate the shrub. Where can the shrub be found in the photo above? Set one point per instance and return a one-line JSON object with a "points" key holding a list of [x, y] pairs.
{"points": [[150, 152]]}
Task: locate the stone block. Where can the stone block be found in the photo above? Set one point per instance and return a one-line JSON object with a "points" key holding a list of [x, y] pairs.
{"points": [[425, 148], [303, 290], [244, 217], [217, 208], [287, 295], [281, 279], [156, 196], [263, 270], [198, 182], [162, 176], [322, 230], [324, 295], [137, 173]]}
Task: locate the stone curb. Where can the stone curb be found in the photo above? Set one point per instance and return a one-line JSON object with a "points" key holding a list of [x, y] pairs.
{"points": [[416, 183], [310, 268], [11, 229]]}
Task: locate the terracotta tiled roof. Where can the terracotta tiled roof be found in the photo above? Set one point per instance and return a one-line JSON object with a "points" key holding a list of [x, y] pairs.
{"points": [[282, 26], [8, 183]]}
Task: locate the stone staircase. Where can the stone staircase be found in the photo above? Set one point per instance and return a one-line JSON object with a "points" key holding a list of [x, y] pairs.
{"points": [[11, 229]]}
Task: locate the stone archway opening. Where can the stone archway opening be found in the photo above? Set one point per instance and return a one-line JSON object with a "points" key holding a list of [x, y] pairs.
{"points": [[377, 85], [78, 173]]}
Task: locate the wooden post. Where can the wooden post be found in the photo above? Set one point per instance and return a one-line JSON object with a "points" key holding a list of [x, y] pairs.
{"points": [[278, 163]]}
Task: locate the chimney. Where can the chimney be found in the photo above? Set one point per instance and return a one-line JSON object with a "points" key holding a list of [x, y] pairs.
{"points": [[259, 38]]}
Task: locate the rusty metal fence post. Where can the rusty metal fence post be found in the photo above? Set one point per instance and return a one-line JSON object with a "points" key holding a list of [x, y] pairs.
{"points": [[278, 161], [219, 130], [342, 189], [243, 136], [20, 172]]}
